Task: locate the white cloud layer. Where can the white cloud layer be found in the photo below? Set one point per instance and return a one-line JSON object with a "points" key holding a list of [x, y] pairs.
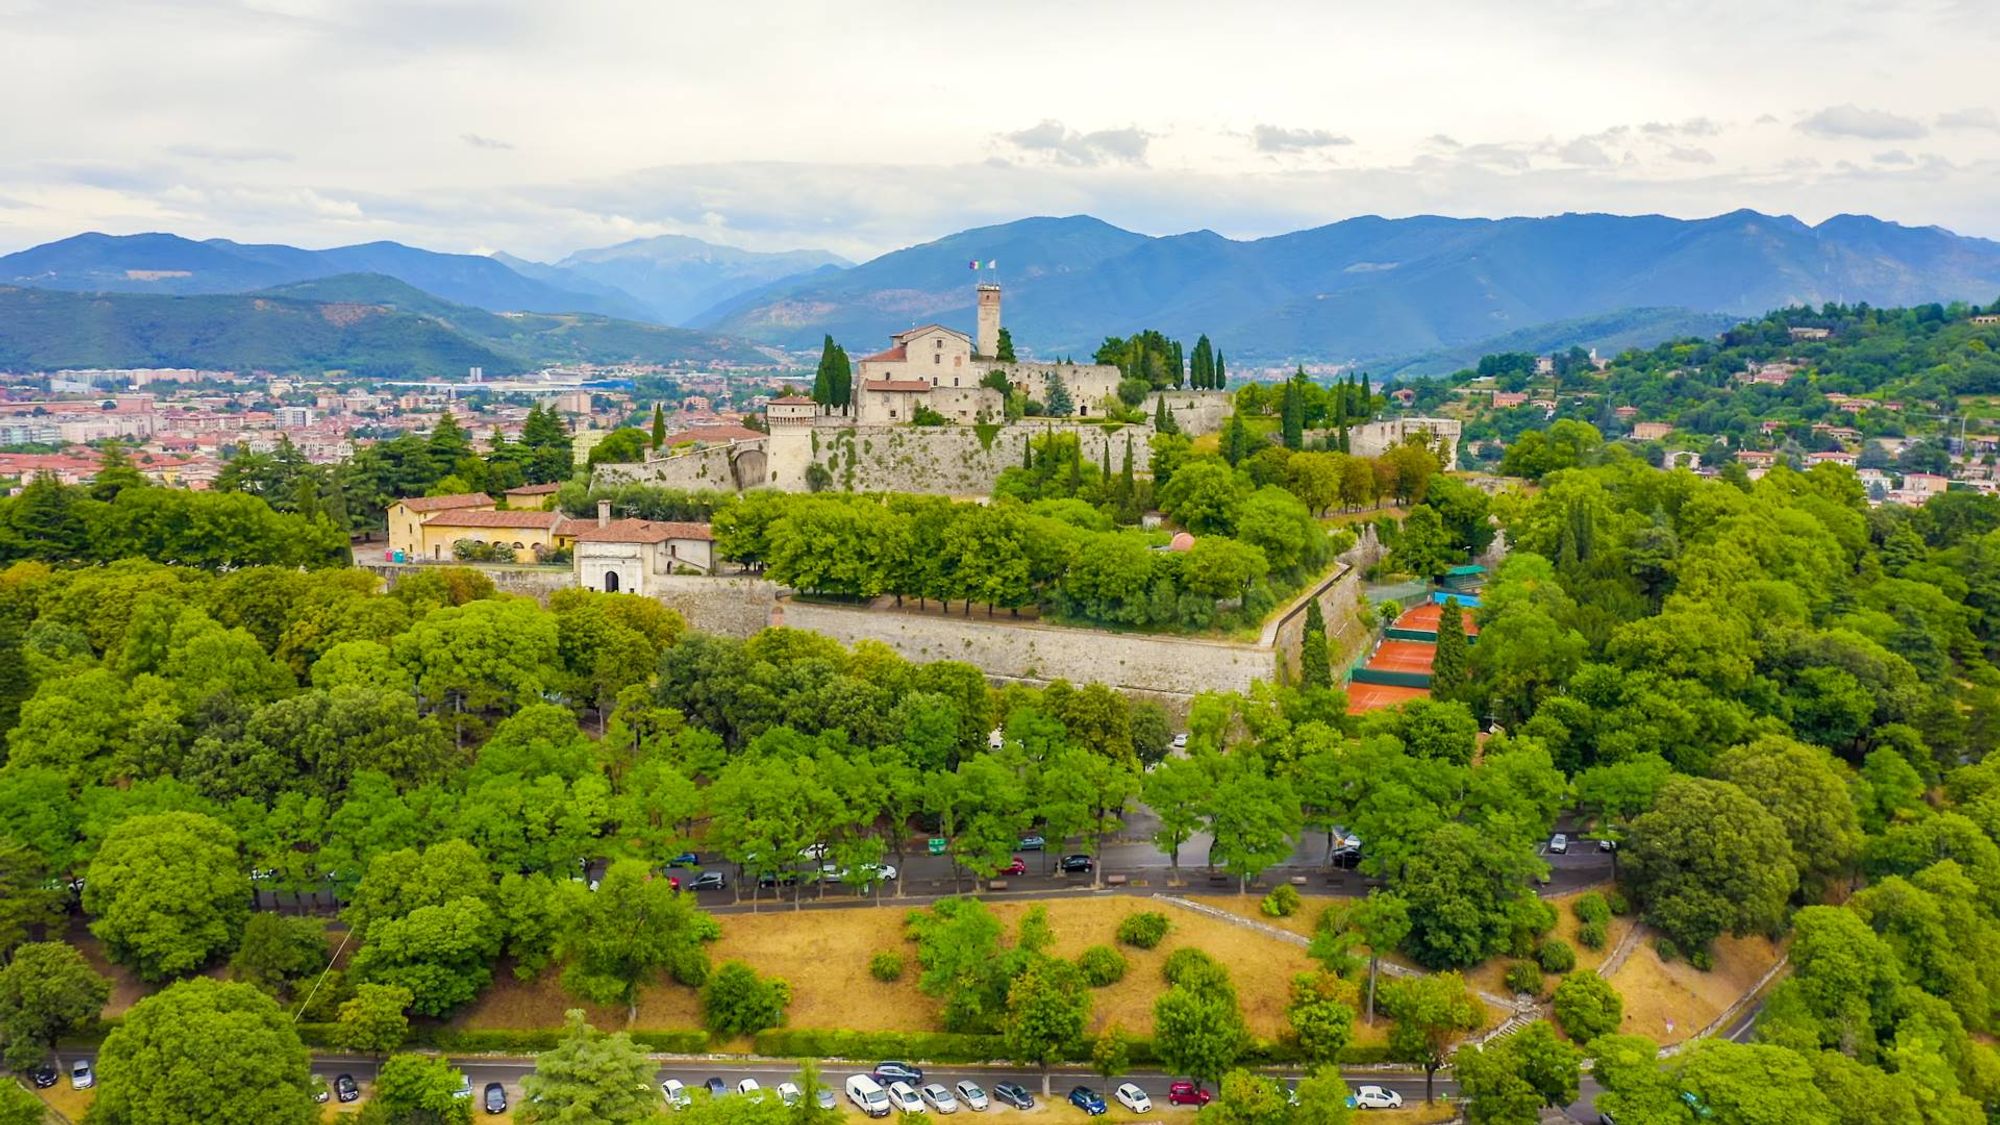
{"points": [[540, 128]]}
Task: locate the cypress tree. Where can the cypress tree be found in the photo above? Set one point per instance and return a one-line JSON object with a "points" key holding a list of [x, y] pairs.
{"points": [[1448, 666], [1367, 398], [822, 392], [659, 427], [1106, 467], [1292, 411], [1219, 380], [1059, 404], [842, 383], [1163, 419], [1003, 349], [1235, 441], [1315, 661]]}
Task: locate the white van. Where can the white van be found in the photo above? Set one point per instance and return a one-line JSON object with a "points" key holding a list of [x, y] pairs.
{"points": [[868, 1096]]}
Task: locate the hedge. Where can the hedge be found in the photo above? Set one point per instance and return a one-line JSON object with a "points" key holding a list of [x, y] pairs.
{"points": [[931, 1046], [471, 1041]]}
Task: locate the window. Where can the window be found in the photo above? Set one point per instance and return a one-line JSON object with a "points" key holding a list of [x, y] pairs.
{"points": [[937, 358], [610, 581], [938, 343]]}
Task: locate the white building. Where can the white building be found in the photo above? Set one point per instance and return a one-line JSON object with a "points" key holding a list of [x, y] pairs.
{"points": [[629, 556]]}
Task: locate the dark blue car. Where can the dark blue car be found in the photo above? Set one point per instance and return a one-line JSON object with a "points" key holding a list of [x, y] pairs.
{"points": [[1087, 1100]]}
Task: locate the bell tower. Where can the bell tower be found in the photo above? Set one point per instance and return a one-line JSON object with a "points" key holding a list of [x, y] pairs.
{"points": [[987, 344]]}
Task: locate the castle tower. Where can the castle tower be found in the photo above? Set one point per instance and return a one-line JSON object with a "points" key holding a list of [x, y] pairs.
{"points": [[789, 449], [986, 344]]}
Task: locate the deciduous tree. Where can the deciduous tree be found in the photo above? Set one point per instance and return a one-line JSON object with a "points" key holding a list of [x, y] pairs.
{"points": [[590, 1078], [47, 989], [204, 1052], [168, 892]]}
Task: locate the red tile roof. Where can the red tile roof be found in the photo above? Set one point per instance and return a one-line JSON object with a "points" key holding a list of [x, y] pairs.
{"points": [[535, 489], [642, 531], [904, 386], [539, 521], [446, 503], [896, 354]]}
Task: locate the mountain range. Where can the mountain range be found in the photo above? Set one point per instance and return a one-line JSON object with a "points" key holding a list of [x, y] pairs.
{"points": [[1417, 294], [365, 324]]}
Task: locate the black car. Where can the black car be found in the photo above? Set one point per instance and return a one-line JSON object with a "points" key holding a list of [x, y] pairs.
{"points": [[767, 880], [1078, 862], [716, 1088], [887, 1072], [496, 1098], [709, 881], [43, 1076], [1014, 1094], [346, 1088]]}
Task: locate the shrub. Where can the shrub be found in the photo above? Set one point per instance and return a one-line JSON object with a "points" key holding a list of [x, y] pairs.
{"points": [[1702, 959], [1554, 955], [736, 1001], [886, 966], [1144, 930], [1101, 965], [1586, 1006], [1527, 919], [1591, 935], [1282, 902], [1197, 972], [1665, 947], [1619, 904], [1590, 908], [1524, 977]]}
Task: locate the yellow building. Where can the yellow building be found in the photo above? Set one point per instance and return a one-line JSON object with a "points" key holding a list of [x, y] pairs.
{"points": [[533, 496], [532, 536], [407, 516]]}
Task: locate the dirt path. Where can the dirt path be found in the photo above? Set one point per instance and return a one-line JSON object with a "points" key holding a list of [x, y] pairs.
{"points": [[1616, 960]]}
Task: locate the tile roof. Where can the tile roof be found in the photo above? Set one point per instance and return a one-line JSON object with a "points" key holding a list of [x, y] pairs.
{"points": [[894, 355], [540, 521], [446, 503], [642, 531], [535, 489]]}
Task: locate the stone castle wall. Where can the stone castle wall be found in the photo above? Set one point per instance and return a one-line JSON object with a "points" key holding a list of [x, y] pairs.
{"points": [[951, 460]]}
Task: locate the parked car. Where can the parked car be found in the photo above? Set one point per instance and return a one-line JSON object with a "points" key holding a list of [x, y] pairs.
{"points": [[716, 1088], [1187, 1093], [1606, 844], [868, 1096], [885, 871], [1077, 862], [769, 879], [709, 881], [676, 1094], [346, 1088], [887, 1072], [788, 1093], [1374, 1097], [464, 1091], [1014, 1094], [1018, 867], [825, 1097], [813, 851], [1133, 1098], [44, 1076], [749, 1089], [685, 859], [904, 1098], [321, 1091], [1088, 1100], [1033, 843], [938, 1098], [1558, 844], [971, 1095], [496, 1098], [1180, 741]]}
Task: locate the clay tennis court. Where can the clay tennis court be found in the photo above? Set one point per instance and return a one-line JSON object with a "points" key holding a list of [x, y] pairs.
{"points": [[1403, 656], [1370, 697], [1425, 618]]}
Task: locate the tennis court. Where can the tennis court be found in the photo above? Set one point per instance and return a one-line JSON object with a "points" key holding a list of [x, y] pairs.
{"points": [[1403, 656], [1425, 618], [1370, 697]]}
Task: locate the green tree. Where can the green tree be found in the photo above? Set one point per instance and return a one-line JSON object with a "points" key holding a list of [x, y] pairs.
{"points": [[1587, 1006], [1322, 1098], [1292, 411], [1248, 1099], [1423, 546], [1004, 349], [277, 949], [736, 1001], [1512, 1081], [1756, 1083], [204, 1052], [620, 938], [168, 892], [659, 433], [1708, 859], [1177, 792], [47, 989], [1055, 397], [1430, 1012], [417, 1090], [1048, 1007], [1383, 922], [1237, 442], [590, 1078], [1807, 790], [1253, 820], [373, 1020], [1315, 662], [1198, 1030], [1321, 1015], [1448, 663], [19, 1107], [1110, 1053]]}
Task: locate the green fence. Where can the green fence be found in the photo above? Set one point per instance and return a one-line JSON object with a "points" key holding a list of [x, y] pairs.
{"points": [[1391, 679]]}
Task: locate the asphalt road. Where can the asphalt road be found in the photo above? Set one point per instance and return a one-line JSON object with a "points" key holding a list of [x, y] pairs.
{"points": [[481, 1070]]}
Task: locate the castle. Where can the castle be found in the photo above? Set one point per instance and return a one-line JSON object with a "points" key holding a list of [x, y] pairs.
{"points": [[942, 370]]}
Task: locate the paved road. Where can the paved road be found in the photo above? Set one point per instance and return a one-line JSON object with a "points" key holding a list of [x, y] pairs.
{"points": [[481, 1070]]}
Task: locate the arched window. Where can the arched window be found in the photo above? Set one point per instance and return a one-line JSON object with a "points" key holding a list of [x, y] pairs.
{"points": [[610, 581]]}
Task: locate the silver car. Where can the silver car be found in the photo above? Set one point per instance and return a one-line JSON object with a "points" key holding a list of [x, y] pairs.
{"points": [[939, 1098], [970, 1095]]}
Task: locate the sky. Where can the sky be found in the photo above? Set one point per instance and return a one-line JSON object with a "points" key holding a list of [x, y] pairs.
{"points": [[539, 127]]}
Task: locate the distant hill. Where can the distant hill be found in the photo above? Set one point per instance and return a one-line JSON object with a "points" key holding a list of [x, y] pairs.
{"points": [[1609, 333], [167, 263], [366, 324], [1370, 290], [673, 277]]}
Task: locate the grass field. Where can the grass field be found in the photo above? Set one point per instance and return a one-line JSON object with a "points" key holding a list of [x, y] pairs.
{"points": [[1656, 992], [824, 954]]}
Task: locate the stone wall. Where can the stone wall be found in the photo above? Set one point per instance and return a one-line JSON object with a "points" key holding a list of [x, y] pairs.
{"points": [[1195, 412], [953, 460], [533, 581], [1173, 669], [1339, 597], [704, 468]]}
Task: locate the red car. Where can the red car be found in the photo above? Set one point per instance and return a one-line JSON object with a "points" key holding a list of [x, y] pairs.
{"points": [[1018, 867], [1187, 1093]]}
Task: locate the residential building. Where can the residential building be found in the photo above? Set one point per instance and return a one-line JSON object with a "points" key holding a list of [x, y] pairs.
{"points": [[406, 518], [533, 497], [1651, 431], [630, 556], [533, 535]]}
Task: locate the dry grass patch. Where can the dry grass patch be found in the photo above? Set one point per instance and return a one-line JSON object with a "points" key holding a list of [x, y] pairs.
{"points": [[72, 1104], [1656, 992], [1301, 921]]}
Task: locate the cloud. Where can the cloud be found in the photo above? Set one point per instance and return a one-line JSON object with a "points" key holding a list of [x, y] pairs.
{"points": [[1063, 145], [231, 154], [1851, 120], [1692, 127], [1690, 155], [1273, 138], [1978, 117], [1584, 151], [1893, 156], [477, 141]]}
